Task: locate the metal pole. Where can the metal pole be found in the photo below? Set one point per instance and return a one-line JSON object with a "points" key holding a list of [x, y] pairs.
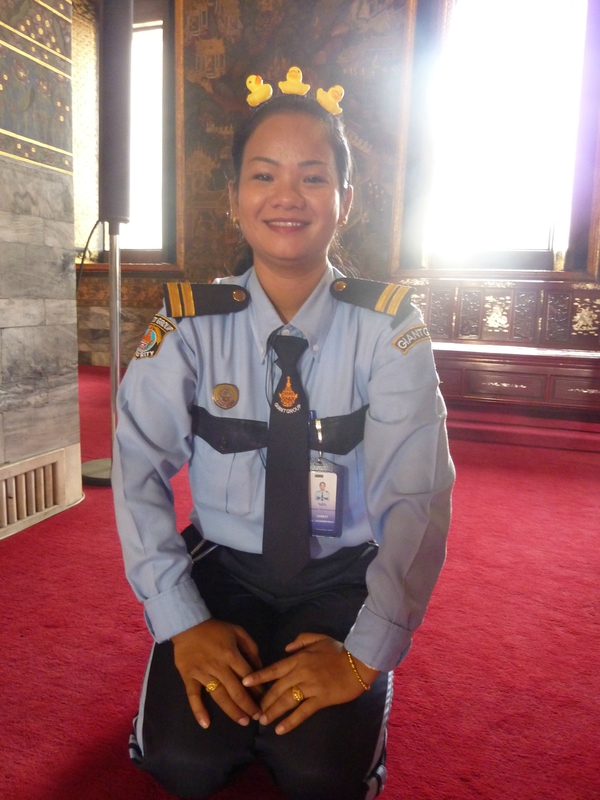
{"points": [[97, 472], [114, 278], [116, 29]]}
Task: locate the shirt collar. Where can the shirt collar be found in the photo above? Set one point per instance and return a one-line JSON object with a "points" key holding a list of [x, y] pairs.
{"points": [[312, 321]]}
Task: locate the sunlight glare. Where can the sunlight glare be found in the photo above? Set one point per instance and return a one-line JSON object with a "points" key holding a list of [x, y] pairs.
{"points": [[144, 230], [505, 108]]}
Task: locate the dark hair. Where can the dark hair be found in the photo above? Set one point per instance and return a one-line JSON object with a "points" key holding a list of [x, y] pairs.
{"points": [[333, 128]]}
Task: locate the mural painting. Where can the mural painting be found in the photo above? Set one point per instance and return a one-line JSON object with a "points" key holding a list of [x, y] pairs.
{"points": [[35, 83], [359, 44]]}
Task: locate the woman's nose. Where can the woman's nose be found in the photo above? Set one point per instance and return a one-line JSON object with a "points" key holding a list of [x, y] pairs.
{"points": [[287, 194]]}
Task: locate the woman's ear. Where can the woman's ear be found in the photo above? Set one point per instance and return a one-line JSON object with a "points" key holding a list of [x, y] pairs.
{"points": [[233, 200], [346, 204]]}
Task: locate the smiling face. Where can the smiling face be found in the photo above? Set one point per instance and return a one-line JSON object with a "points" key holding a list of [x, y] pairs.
{"points": [[288, 199]]}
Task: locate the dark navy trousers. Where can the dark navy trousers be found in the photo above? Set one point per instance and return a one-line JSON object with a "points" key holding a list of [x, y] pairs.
{"points": [[337, 754]]}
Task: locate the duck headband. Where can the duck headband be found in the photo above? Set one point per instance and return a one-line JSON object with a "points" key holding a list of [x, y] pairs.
{"points": [[261, 92]]}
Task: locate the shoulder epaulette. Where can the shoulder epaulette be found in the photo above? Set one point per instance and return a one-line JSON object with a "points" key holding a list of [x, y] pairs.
{"points": [[199, 299], [387, 298]]}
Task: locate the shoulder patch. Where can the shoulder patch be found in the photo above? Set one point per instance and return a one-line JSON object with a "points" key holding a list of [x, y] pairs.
{"points": [[411, 337], [153, 338], [200, 299], [387, 298]]}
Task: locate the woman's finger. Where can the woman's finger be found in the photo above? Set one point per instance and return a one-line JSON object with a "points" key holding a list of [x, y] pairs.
{"points": [[297, 717], [223, 699], [193, 689], [277, 670], [248, 648], [229, 694], [304, 640], [239, 697], [280, 704]]}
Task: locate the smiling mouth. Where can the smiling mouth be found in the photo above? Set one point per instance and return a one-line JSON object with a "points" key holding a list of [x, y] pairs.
{"points": [[286, 224]]}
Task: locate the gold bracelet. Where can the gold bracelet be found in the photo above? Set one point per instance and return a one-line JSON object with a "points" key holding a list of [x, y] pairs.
{"points": [[365, 686]]}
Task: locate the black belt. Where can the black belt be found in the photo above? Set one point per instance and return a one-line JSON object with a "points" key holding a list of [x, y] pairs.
{"points": [[340, 434]]}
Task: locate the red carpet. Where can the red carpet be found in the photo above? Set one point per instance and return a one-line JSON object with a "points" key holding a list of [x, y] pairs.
{"points": [[499, 699]]}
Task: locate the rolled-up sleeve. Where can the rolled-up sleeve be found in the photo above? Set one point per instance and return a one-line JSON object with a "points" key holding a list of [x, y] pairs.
{"points": [[153, 442], [408, 481]]}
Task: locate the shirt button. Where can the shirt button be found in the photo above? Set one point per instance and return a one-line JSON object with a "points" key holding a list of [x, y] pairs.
{"points": [[285, 332], [315, 347]]}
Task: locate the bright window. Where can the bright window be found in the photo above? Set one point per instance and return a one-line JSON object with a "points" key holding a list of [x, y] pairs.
{"points": [[144, 231], [505, 110]]}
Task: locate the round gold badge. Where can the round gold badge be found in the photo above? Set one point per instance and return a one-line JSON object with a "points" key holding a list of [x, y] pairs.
{"points": [[339, 286], [225, 395], [239, 295]]}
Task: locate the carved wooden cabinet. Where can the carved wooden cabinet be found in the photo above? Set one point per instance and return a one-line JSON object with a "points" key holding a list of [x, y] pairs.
{"points": [[518, 360], [525, 313], [509, 395], [533, 378]]}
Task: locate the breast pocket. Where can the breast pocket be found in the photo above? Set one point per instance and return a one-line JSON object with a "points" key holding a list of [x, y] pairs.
{"points": [[245, 487], [228, 482]]}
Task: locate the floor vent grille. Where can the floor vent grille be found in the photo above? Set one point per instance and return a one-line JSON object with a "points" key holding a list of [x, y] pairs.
{"points": [[31, 491]]}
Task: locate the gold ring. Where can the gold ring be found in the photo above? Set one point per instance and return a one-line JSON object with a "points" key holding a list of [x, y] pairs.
{"points": [[212, 685], [297, 694]]}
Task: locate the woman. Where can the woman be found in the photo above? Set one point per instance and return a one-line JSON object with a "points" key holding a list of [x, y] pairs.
{"points": [[280, 641]]}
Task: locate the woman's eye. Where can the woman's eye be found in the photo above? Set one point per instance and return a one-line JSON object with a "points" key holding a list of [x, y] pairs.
{"points": [[314, 179], [263, 176]]}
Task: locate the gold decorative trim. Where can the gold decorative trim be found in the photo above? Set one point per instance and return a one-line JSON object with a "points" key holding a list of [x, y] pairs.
{"points": [[398, 297], [384, 297], [33, 58], [35, 42], [175, 300], [189, 307], [37, 163], [34, 141], [54, 10]]}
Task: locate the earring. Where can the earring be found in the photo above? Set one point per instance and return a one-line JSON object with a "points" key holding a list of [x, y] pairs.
{"points": [[344, 222]]}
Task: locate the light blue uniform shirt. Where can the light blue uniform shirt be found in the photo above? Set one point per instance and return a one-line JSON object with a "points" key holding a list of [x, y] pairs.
{"points": [[399, 478]]}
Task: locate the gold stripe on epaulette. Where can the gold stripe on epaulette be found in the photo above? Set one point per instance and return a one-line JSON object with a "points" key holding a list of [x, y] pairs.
{"points": [[384, 297], [397, 298], [189, 307], [175, 300]]}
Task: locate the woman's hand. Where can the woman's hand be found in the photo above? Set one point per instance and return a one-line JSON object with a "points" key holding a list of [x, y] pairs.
{"points": [[216, 651], [320, 668]]}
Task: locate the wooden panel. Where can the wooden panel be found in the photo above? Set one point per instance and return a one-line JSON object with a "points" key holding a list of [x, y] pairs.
{"points": [[450, 382], [505, 385], [550, 313], [582, 392]]}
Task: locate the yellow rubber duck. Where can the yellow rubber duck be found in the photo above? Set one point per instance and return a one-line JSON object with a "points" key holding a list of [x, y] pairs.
{"points": [[293, 83], [330, 99], [259, 91]]}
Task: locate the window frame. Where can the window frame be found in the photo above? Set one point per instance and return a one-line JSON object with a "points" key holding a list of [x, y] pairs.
{"points": [[160, 263], [582, 259]]}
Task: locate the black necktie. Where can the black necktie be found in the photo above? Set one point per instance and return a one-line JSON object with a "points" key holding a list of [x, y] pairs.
{"points": [[286, 543]]}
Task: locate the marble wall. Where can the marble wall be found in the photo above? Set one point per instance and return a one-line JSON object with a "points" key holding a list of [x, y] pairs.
{"points": [[38, 331], [38, 316]]}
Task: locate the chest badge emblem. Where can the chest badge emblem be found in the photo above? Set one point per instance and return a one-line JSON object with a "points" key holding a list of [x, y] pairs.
{"points": [[288, 396], [225, 395]]}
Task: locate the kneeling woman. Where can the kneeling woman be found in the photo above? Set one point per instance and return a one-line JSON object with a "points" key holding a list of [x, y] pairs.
{"points": [[281, 612]]}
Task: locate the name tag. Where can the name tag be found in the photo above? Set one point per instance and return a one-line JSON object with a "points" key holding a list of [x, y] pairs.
{"points": [[326, 492]]}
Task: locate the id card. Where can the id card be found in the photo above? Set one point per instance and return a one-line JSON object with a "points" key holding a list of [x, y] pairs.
{"points": [[326, 493]]}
